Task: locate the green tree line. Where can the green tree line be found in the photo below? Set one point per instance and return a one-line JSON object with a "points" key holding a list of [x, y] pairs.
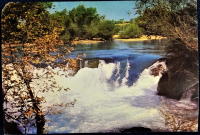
{"points": [[83, 23]]}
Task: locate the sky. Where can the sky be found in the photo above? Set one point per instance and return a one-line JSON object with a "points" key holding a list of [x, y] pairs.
{"points": [[112, 9]]}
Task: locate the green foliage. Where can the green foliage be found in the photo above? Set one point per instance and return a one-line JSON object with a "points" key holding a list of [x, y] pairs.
{"points": [[36, 22], [120, 21], [47, 5], [83, 23], [131, 31], [83, 16], [61, 17], [158, 17], [106, 29], [91, 31], [117, 29]]}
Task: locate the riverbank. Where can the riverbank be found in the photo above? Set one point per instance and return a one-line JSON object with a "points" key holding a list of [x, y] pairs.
{"points": [[144, 37], [115, 37], [86, 42]]}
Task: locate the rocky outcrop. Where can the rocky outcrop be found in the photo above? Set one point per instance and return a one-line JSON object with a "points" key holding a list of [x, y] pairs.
{"points": [[175, 82], [76, 64], [156, 71]]}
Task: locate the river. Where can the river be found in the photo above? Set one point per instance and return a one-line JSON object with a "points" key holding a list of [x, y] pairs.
{"points": [[111, 90], [118, 93]]}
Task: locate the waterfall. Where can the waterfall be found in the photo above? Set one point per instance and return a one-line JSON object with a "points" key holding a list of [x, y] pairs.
{"points": [[125, 79], [127, 69], [95, 102], [100, 107], [80, 63], [86, 63], [118, 68]]}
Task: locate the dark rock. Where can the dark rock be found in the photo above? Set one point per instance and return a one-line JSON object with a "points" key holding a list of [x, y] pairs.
{"points": [[136, 129], [174, 83], [155, 71], [163, 84], [11, 128], [172, 86], [196, 93]]}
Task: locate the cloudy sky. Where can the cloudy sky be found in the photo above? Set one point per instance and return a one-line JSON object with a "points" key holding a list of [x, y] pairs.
{"points": [[112, 9]]}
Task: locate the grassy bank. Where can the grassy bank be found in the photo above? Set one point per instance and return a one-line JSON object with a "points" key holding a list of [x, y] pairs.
{"points": [[86, 42], [144, 37]]}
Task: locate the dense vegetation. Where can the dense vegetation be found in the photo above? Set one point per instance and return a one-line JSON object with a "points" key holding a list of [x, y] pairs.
{"points": [[86, 23], [83, 23], [130, 31], [178, 21]]}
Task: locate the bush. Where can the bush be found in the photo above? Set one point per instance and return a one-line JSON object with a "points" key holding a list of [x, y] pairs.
{"points": [[117, 29], [179, 119], [91, 31], [66, 37], [106, 29], [131, 31]]}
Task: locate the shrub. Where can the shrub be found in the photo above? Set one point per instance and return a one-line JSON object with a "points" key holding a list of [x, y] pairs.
{"points": [[131, 31], [66, 37], [106, 29], [117, 29], [179, 120]]}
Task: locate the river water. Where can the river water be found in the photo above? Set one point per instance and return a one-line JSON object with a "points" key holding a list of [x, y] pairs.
{"points": [[118, 93]]}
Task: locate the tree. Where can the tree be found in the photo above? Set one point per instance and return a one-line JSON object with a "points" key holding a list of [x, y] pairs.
{"points": [[84, 18], [155, 15], [20, 101], [63, 19], [131, 31], [106, 29], [178, 21]]}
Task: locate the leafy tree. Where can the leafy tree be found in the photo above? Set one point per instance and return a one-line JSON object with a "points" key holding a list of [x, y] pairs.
{"points": [[61, 17], [159, 17], [106, 29], [91, 30], [84, 18], [177, 20], [81, 23], [20, 101], [117, 29], [131, 31], [64, 21]]}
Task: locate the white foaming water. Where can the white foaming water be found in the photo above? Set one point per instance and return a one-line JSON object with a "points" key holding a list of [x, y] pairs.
{"points": [[118, 68], [100, 108], [86, 63], [125, 79]]}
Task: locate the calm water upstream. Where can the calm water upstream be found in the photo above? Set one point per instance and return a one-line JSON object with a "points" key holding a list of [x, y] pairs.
{"points": [[119, 93], [138, 54]]}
